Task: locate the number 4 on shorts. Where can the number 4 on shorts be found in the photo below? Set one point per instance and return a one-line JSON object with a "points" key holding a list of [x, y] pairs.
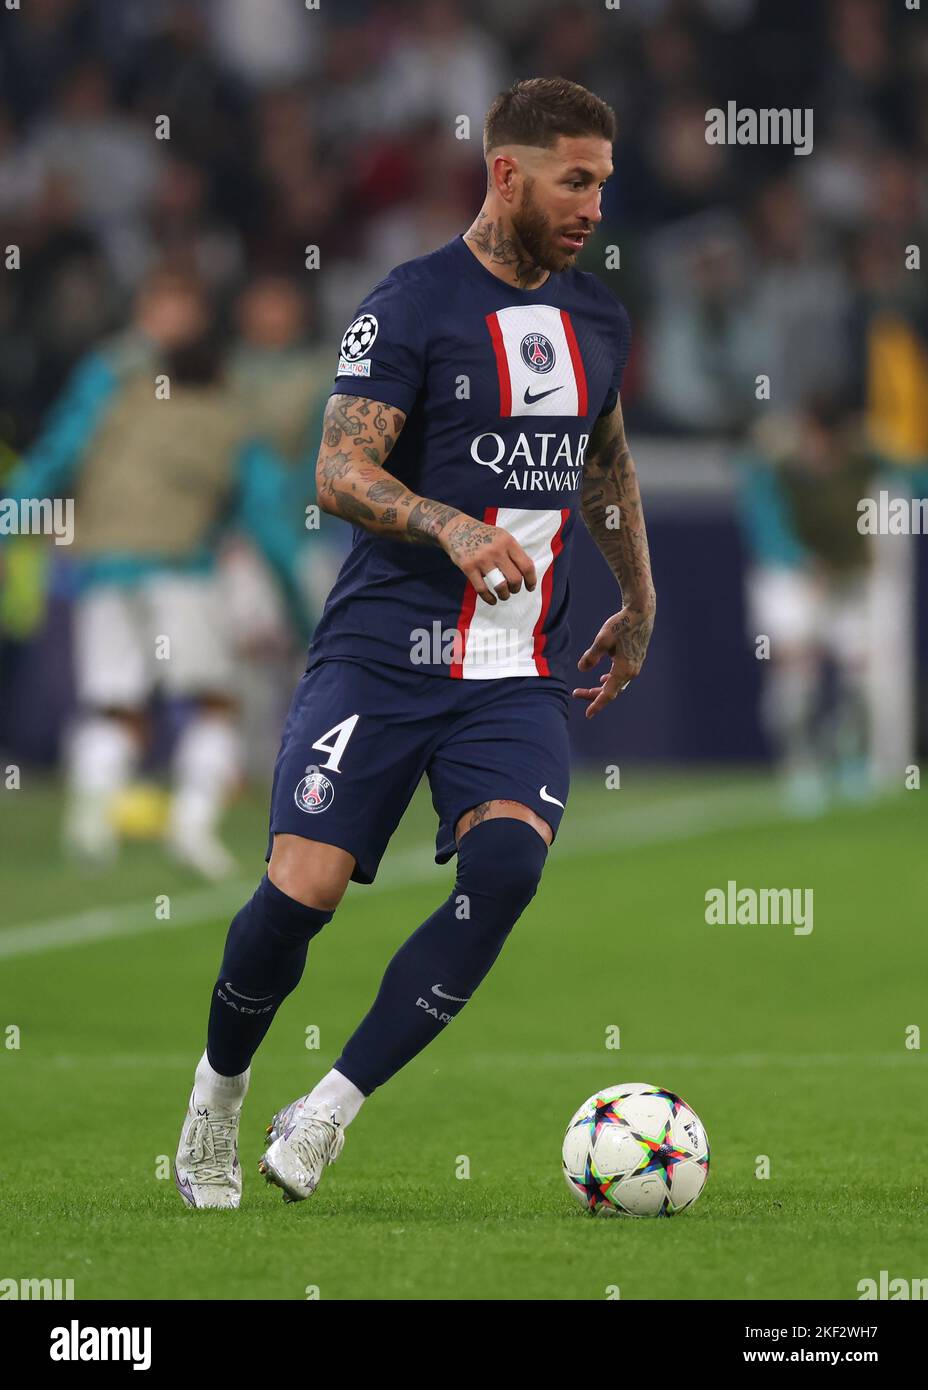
{"points": [[344, 730]]}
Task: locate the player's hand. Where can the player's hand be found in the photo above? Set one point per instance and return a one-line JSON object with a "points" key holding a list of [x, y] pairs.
{"points": [[624, 637], [477, 549]]}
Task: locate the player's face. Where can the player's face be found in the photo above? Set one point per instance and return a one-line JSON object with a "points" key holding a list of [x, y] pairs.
{"points": [[270, 314], [171, 314], [560, 199]]}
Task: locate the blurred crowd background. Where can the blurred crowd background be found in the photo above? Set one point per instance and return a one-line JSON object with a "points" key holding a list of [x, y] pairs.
{"points": [[340, 128]]}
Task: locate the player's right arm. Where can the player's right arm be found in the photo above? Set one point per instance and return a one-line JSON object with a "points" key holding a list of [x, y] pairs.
{"points": [[352, 482]]}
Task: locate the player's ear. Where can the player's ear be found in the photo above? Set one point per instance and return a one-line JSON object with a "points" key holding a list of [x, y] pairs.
{"points": [[503, 172]]}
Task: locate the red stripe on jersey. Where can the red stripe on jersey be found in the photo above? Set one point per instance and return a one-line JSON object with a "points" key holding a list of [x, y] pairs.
{"points": [[465, 617], [547, 586], [502, 366], [573, 348]]}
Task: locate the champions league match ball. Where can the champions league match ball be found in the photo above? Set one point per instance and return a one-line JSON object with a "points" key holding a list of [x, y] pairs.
{"points": [[635, 1150]]}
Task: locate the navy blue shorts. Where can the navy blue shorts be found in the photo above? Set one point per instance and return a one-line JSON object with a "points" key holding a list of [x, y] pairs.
{"points": [[359, 737]]}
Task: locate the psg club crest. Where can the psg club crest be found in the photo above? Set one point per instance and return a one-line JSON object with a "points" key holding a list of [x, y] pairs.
{"points": [[537, 352], [314, 794]]}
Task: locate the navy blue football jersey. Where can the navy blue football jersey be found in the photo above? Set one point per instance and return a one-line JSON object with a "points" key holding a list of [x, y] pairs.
{"points": [[500, 387]]}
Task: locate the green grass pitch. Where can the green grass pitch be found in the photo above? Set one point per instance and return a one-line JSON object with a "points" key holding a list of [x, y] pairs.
{"points": [[788, 1046]]}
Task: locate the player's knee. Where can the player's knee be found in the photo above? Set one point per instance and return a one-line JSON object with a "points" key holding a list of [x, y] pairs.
{"points": [[276, 916], [265, 950], [502, 860], [311, 873]]}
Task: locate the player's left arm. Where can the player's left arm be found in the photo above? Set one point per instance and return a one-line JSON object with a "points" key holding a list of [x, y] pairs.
{"points": [[611, 508]]}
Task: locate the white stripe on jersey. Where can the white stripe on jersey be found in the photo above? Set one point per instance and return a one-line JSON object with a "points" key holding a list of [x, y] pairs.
{"points": [[514, 324], [500, 640]]}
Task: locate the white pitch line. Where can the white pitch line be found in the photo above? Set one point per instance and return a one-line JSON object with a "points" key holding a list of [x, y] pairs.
{"points": [[129, 919], [684, 817]]}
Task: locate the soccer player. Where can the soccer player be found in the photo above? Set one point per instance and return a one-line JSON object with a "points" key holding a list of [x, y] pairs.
{"points": [[809, 589], [475, 413], [155, 484]]}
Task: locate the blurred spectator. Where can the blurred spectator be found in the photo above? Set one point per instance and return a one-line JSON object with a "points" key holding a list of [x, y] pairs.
{"points": [[156, 481], [276, 373], [441, 196], [109, 163], [702, 345], [41, 42], [443, 66], [283, 381], [809, 598], [273, 42], [183, 227], [891, 322], [800, 298], [298, 192], [859, 75], [571, 44], [336, 129], [20, 170]]}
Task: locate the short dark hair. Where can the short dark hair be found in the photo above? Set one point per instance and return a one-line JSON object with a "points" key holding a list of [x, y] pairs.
{"points": [[538, 110]]}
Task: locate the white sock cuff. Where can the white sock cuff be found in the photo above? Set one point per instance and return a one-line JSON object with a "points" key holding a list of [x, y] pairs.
{"points": [[335, 1089], [211, 1085]]}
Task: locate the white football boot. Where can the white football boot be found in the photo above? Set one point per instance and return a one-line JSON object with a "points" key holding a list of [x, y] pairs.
{"points": [[207, 1172], [301, 1140]]}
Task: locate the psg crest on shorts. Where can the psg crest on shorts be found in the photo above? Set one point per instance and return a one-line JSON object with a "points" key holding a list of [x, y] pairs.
{"points": [[537, 352], [314, 794]]}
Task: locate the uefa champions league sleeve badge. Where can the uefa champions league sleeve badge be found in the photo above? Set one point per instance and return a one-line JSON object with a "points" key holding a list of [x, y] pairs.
{"points": [[356, 344]]}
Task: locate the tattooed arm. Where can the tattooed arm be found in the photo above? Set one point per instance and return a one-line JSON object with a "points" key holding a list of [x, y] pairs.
{"points": [[352, 482], [611, 507]]}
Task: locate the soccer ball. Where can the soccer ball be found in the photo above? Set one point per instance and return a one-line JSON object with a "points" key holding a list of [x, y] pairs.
{"points": [[635, 1150]]}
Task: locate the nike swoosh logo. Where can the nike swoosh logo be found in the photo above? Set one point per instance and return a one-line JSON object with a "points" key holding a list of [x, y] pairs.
{"points": [[529, 399], [543, 793], [458, 999], [252, 998]]}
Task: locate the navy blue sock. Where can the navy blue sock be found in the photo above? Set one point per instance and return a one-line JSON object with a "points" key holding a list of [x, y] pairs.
{"points": [[436, 971], [263, 962]]}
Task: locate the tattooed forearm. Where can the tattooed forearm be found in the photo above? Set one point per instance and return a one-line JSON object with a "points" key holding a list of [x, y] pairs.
{"points": [[351, 481], [387, 491], [352, 508], [428, 519], [611, 507]]}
